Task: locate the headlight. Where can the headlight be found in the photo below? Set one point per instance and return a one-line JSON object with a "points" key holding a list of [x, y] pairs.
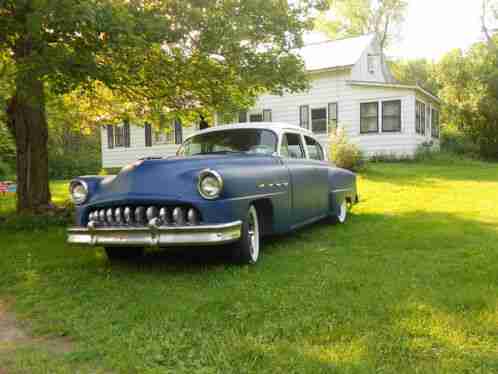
{"points": [[79, 191], [210, 184]]}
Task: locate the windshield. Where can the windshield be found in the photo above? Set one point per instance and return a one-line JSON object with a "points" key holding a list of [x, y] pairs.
{"points": [[252, 141]]}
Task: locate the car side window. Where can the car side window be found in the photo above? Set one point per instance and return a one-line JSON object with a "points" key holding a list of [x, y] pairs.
{"points": [[314, 148], [291, 146]]}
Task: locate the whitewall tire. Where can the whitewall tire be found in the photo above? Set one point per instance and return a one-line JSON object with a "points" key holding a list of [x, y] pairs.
{"points": [[247, 250], [341, 215]]}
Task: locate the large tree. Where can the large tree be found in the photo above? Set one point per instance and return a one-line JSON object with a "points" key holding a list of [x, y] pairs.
{"points": [[346, 18], [164, 56], [469, 88]]}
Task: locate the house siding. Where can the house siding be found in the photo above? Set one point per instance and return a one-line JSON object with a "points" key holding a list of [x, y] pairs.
{"points": [[330, 86], [120, 156]]}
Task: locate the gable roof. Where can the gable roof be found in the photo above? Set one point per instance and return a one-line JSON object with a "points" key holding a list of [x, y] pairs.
{"points": [[333, 54]]}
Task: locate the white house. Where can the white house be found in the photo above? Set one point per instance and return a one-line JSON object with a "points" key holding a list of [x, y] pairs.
{"points": [[351, 87]]}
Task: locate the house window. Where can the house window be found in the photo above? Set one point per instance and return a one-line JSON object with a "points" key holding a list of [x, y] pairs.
{"points": [[304, 113], [333, 115], [369, 121], [391, 116], [118, 136], [319, 120], [267, 115], [291, 146], [371, 63], [256, 117], [315, 151], [435, 123], [165, 134], [243, 117], [420, 118]]}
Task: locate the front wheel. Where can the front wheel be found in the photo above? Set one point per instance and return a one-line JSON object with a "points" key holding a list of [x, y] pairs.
{"points": [[123, 253], [247, 249]]}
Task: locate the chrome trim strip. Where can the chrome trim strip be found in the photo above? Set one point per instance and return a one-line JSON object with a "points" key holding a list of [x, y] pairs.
{"points": [[341, 190], [153, 236], [258, 196], [308, 222]]}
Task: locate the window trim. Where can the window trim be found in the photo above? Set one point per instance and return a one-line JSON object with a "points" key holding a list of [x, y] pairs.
{"points": [[377, 131], [400, 115]]}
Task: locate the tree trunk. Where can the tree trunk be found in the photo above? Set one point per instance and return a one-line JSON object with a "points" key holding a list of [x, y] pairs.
{"points": [[27, 121]]}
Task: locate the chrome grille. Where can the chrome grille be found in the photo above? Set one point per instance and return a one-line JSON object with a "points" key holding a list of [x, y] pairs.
{"points": [[144, 215]]}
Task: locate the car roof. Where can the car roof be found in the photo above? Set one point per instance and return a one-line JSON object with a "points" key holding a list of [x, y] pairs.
{"points": [[278, 127]]}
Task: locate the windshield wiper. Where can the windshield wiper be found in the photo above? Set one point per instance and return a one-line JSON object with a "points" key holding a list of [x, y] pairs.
{"points": [[217, 153]]}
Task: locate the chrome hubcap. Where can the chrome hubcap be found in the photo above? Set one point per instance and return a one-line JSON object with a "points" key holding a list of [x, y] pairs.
{"points": [[253, 232]]}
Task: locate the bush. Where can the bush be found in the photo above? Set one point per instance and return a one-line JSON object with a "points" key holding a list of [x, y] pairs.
{"points": [[67, 167], [6, 172], [389, 157], [454, 141], [345, 154]]}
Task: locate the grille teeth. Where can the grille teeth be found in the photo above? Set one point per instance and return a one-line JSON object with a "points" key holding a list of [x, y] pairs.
{"points": [[176, 215]]}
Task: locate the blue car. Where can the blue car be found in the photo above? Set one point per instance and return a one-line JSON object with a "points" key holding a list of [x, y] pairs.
{"points": [[230, 184]]}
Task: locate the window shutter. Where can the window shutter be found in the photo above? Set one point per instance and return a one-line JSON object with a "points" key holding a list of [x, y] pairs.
{"points": [[110, 136], [126, 131], [304, 116], [178, 132], [267, 115], [243, 116], [148, 135]]}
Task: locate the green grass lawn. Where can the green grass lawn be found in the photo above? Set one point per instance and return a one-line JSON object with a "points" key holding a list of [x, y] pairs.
{"points": [[408, 285]]}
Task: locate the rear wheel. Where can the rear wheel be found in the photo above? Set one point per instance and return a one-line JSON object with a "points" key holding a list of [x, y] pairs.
{"points": [[341, 215], [246, 250], [123, 253]]}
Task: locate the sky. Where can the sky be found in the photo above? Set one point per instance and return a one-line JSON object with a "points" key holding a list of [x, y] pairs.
{"points": [[434, 27]]}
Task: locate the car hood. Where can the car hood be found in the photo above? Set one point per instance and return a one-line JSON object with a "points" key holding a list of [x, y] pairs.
{"points": [[173, 178]]}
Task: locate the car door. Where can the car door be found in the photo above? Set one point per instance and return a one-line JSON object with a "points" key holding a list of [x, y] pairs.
{"points": [[301, 172], [320, 189]]}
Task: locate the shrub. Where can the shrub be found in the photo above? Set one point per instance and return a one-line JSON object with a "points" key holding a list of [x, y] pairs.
{"points": [[455, 141], [389, 157], [5, 170], [345, 154]]}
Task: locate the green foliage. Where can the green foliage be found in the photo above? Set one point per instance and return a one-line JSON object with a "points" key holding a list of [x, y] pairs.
{"points": [[416, 72], [455, 141], [5, 171], [345, 18], [343, 153], [109, 171], [171, 57], [469, 87], [407, 286]]}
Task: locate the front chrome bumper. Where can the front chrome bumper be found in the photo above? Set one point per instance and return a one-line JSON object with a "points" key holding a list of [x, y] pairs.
{"points": [[153, 236]]}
